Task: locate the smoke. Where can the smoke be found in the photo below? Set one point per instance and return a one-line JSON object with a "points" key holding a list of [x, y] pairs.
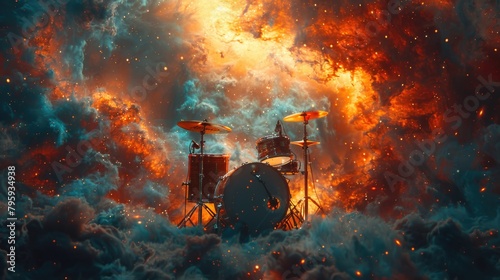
{"points": [[71, 240], [407, 169]]}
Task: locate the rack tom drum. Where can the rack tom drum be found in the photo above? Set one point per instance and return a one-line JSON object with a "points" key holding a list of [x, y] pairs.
{"points": [[274, 150]]}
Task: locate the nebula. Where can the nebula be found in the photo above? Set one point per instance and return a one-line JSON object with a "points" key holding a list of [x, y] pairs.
{"points": [[406, 171]]}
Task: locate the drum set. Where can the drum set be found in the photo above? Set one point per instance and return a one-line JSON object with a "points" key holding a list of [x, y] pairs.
{"points": [[254, 197]]}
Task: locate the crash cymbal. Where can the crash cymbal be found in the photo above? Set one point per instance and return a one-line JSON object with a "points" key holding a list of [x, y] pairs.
{"points": [[309, 115], [301, 143], [208, 128]]}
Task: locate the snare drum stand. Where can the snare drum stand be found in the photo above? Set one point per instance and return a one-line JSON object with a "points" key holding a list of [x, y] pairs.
{"points": [[200, 204]]}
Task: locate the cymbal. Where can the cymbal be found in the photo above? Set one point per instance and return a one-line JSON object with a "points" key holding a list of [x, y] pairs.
{"points": [[200, 126], [301, 143], [309, 115]]}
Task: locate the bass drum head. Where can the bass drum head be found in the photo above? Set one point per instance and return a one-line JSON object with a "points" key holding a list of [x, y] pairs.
{"points": [[246, 203]]}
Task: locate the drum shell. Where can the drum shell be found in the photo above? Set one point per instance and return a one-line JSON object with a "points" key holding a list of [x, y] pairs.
{"points": [[243, 200], [274, 150], [214, 167]]}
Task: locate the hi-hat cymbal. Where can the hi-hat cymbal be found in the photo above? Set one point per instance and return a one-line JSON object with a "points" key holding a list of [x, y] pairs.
{"points": [[301, 143], [305, 116], [203, 126]]}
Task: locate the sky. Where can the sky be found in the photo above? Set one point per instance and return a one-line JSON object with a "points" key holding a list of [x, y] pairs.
{"points": [[407, 170]]}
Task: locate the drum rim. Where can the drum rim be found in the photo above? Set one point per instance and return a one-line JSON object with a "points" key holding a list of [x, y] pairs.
{"points": [[220, 155], [272, 136], [262, 160]]}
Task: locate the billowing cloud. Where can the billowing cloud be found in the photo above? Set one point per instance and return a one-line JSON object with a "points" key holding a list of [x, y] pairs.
{"points": [[407, 169]]}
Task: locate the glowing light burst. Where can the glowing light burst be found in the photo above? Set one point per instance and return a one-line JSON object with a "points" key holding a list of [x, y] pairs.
{"points": [[229, 42]]}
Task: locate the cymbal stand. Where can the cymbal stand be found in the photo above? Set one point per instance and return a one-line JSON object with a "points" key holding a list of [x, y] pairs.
{"points": [[306, 168], [200, 185], [200, 204]]}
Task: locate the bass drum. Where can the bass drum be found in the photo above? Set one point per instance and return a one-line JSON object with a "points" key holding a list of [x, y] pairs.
{"points": [[254, 198]]}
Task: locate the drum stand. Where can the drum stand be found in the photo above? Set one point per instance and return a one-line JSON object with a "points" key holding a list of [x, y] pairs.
{"points": [[200, 205], [293, 219]]}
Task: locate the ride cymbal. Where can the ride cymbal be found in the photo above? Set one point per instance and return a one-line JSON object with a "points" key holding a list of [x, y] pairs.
{"points": [[301, 143], [203, 126], [305, 116]]}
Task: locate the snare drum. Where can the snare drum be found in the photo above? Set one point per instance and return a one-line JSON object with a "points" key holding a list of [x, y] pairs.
{"points": [[274, 150], [290, 168], [254, 196], [214, 167]]}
